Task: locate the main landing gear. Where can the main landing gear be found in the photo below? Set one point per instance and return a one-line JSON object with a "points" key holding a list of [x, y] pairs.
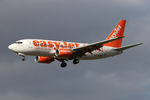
{"points": [[75, 61], [64, 64]]}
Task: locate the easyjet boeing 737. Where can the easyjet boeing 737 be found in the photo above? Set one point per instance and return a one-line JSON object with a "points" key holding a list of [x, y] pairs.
{"points": [[47, 51]]}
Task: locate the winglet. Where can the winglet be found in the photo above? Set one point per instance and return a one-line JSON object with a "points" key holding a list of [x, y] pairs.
{"points": [[117, 32]]}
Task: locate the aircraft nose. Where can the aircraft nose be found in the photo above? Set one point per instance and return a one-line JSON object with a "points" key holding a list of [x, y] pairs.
{"points": [[10, 47]]}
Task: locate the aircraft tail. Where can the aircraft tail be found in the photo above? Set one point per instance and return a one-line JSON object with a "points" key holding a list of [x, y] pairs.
{"points": [[117, 32]]}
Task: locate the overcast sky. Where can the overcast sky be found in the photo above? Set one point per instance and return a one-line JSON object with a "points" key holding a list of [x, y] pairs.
{"points": [[123, 77]]}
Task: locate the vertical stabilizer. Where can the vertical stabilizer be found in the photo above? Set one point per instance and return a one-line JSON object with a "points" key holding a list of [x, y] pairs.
{"points": [[117, 32]]}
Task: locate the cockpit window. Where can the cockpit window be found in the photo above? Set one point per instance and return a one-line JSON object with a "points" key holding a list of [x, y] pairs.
{"points": [[18, 42]]}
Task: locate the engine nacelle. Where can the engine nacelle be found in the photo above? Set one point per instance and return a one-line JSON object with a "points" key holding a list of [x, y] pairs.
{"points": [[41, 59], [64, 53], [52, 53]]}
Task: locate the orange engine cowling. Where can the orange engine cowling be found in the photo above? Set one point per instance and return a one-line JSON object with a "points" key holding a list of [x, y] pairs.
{"points": [[66, 53], [41, 59]]}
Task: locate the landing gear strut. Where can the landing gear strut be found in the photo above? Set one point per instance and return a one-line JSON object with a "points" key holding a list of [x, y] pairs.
{"points": [[75, 61], [63, 64], [22, 55], [23, 58]]}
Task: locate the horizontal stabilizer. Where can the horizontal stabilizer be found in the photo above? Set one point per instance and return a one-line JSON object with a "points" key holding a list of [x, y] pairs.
{"points": [[127, 47]]}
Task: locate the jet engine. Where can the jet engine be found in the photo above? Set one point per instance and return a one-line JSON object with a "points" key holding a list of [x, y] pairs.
{"points": [[64, 53], [41, 59]]}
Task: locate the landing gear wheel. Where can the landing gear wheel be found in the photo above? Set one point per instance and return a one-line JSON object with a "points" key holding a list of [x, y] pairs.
{"points": [[63, 65], [75, 61], [23, 59]]}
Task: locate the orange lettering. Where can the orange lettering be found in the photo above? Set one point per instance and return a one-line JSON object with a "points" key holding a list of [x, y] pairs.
{"points": [[43, 44], [72, 45], [77, 45], [36, 43], [65, 44], [50, 44], [57, 45], [69, 45], [62, 46]]}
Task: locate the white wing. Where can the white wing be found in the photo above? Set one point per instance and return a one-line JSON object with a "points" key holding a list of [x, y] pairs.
{"points": [[92, 46]]}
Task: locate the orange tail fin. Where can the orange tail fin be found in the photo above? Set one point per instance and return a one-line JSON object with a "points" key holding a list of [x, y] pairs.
{"points": [[117, 32]]}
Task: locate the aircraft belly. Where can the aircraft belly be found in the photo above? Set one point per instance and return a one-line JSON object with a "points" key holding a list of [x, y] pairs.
{"points": [[92, 56], [99, 55]]}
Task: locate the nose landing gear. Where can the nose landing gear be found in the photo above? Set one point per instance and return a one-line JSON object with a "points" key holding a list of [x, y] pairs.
{"points": [[23, 59], [22, 55]]}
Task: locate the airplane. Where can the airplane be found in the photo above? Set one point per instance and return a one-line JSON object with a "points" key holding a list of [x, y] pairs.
{"points": [[47, 51]]}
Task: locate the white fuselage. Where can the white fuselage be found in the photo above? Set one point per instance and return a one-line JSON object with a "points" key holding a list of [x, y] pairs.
{"points": [[38, 47]]}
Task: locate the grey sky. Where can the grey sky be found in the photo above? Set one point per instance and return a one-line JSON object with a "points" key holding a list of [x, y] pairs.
{"points": [[124, 77]]}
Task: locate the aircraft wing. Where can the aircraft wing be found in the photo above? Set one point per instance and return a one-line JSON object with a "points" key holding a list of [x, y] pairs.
{"points": [[93, 46]]}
